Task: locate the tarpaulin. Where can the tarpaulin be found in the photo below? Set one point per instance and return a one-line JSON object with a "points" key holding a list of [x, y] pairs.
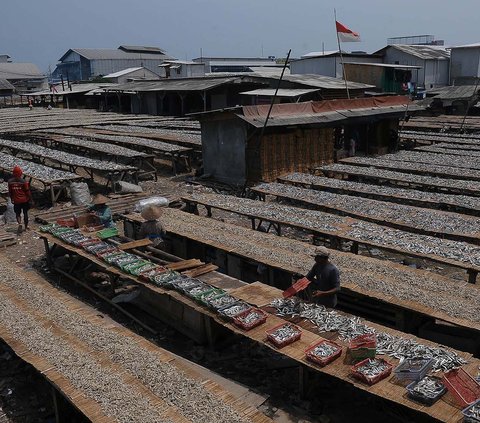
{"points": [[312, 107]]}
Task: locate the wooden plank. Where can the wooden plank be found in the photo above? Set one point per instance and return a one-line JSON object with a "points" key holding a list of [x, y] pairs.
{"points": [[135, 244]]}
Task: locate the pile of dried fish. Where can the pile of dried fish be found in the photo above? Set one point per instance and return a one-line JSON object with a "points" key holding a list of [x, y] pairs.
{"points": [[376, 277], [429, 387], [423, 244], [434, 199], [473, 413], [443, 148], [324, 350], [450, 160], [22, 120], [416, 167], [373, 367], [402, 177], [166, 134], [36, 171], [110, 149], [349, 327], [425, 220], [284, 334], [361, 231], [439, 137], [235, 309], [62, 157], [122, 139], [189, 396]]}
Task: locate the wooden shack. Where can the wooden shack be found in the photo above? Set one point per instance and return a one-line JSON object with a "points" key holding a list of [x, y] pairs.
{"points": [[239, 150]]}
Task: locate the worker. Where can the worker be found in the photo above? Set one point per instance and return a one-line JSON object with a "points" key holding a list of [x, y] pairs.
{"points": [[19, 191], [152, 229], [324, 278], [101, 211]]}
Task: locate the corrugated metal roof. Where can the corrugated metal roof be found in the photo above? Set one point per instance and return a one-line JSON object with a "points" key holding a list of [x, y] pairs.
{"points": [[19, 71], [177, 84], [422, 52], [328, 53], [461, 92], [122, 72], [110, 54], [474, 45], [5, 85], [384, 65], [282, 92], [328, 117], [76, 89], [142, 49], [325, 82]]}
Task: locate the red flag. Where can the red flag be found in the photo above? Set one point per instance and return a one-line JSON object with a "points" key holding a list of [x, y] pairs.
{"points": [[346, 35]]}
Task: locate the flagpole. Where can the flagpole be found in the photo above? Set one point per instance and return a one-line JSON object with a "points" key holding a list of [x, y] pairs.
{"points": [[341, 56]]}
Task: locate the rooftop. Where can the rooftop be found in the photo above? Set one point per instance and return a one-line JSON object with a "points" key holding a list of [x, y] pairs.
{"points": [[13, 71], [282, 92], [474, 45], [120, 53], [384, 65], [421, 51], [5, 85], [123, 72]]}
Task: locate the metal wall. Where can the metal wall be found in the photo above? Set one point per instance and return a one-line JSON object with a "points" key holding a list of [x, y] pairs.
{"points": [[433, 73], [223, 147], [327, 65], [464, 63]]}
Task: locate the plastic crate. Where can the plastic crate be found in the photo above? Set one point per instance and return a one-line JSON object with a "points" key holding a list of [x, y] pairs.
{"points": [[426, 399], [69, 222], [107, 233], [164, 279], [413, 368], [464, 388], [185, 283], [234, 309], [206, 296], [371, 380], [221, 301], [368, 340], [239, 319], [323, 361], [145, 268], [290, 340], [468, 413], [147, 275], [135, 264]]}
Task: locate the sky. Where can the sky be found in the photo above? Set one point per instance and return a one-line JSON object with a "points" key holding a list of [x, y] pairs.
{"points": [[41, 31]]}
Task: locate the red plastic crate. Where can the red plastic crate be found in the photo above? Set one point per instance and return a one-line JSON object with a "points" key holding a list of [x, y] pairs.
{"points": [[298, 286], [245, 326], [369, 340], [374, 379], [464, 388], [69, 222], [287, 341], [323, 361]]}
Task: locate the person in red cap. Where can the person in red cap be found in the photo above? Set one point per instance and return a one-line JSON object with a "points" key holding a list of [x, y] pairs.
{"points": [[19, 191]]}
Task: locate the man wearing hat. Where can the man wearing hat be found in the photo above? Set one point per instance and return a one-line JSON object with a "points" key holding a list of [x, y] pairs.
{"points": [[152, 228], [324, 278], [19, 191], [101, 211]]}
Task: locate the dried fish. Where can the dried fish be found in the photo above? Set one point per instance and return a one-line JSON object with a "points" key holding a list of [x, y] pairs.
{"points": [[381, 191], [429, 387], [446, 184], [373, 367], [63, 157], [35, 170], [349, 327], [426, 220]]}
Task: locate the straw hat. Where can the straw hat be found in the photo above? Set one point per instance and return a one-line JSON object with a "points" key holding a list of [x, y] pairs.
{"points": [[99, 199], [151, 212], [321, 251]]}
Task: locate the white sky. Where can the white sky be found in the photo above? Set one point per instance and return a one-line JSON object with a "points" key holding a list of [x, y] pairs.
{"points": [[40, 31]]}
